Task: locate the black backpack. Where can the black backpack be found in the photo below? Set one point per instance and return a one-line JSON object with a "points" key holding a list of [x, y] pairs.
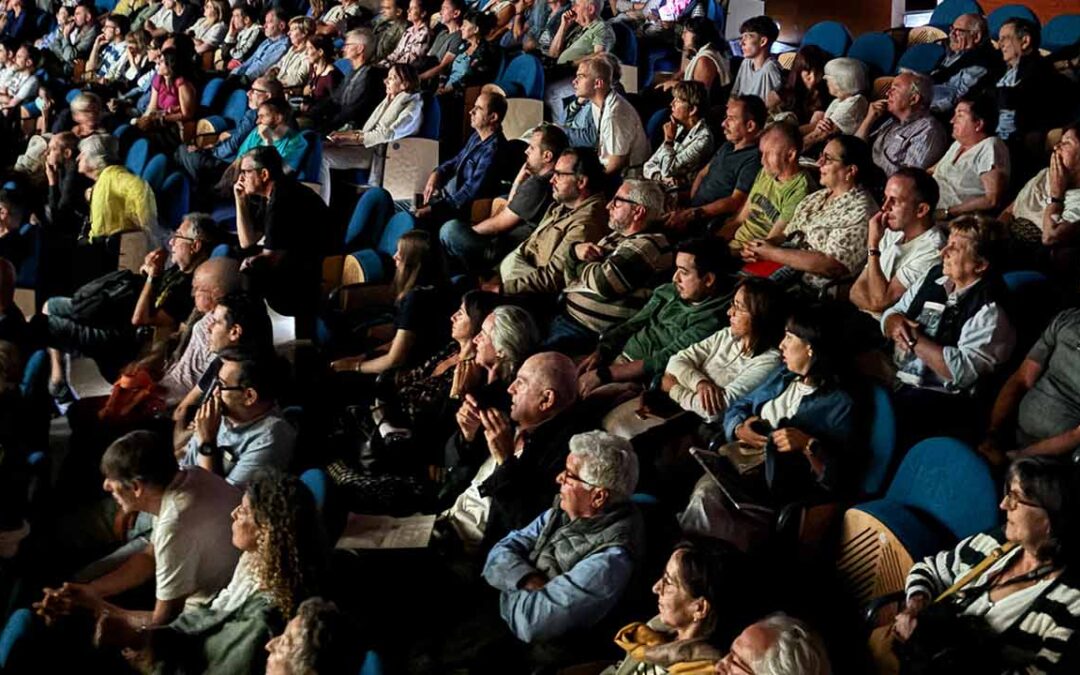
{"points": [[107, 300]]}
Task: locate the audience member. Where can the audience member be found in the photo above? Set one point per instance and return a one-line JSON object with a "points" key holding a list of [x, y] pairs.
{"points": [[803, 98], [970, 63], [477, 248], [721, 188], [294, 67], [910, 136], [355, 98], [273, 129], [107, 58], [623, 147], [610, 281], [823, 243], [846, 80], [759, 74], [13, 328], [15, 246], [902, 242], [77, 37], [688, 142], [244, 36], [120, 201], [319, 639], [445, 45], [973, 175], [269, 51], [779, 645], [1031, 95], [778, 189], [174, 17], [705, 58], [209, 30], [388, 27], [416, 39], [582, 32]]}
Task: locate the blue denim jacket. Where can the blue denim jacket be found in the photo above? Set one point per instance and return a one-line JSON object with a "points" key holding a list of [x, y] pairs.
{"points": [[827, 414]]}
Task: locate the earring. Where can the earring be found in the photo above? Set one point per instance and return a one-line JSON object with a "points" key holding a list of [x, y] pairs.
{"points": [[810, 353]]}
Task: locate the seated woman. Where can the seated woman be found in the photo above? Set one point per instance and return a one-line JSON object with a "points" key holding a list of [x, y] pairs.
{"points": [[143, 51], [790, 438], [416, 39], [294, 68], [324, 77], [278, 530], [1023, 597], [419, 396], [419, 294], [700, 602], [846, 79], [477, 59], [973, 175], [804, 96], [398, 115], [173, 101], [209, 31], [705, 58], [826, 238], [707, 376]]}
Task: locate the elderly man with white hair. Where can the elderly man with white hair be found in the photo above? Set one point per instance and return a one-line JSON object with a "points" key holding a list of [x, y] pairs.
{"points": [[568, 569], [969, 64], [910, 136], [776, 645]]}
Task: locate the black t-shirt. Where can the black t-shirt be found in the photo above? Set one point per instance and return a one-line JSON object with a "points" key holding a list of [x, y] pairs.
{"points": [[532, 199], [295, 220], [424, 311], [729, 170], [173, 294]]}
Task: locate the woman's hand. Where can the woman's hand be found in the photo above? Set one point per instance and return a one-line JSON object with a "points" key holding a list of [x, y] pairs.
{"points": [[1058, 177], [670, 130], [905, 622], [790, 439], [744, 433], [348, 364], [710, 396]]}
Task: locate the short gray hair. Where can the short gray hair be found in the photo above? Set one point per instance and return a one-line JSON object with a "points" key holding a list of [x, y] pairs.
{"points": [[849, 75], [922, 85], [795, 650], [100, 150], [647, 193], [365, 37], [203, 226], [981, 24], [514, 335], [85, 101], [607, 461]]}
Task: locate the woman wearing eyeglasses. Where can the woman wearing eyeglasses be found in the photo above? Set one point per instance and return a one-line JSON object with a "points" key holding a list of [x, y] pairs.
{"points": [[826, 239], [1024, 595]]}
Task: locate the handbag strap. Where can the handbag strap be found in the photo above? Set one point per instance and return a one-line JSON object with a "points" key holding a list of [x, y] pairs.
{"points": [[974, 572]]}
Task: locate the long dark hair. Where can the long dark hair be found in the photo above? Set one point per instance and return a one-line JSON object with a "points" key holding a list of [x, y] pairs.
{"points": [[817, 325], [794, 96], [478, 304], [767, 307]]}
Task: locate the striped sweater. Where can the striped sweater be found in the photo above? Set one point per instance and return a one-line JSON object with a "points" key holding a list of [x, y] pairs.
{"points": [[609, 291], [1047, 628]]}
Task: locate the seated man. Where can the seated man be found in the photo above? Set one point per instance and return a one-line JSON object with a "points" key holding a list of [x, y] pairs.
{"points": [[548, 587], [478, 247], [623, 147], [214, 279], [610, 281], [319, 639], [973, 175], [174, 17], [205, 166], [1037, 412], [77, 38], [269, 51], [273, 128], [902, 242], [537, 265], [189, 554], [109, 332], [472, 173], [352, 101], [970, 63], [524, 453], [677, 315], [581, 33], [688, 142], [949, 332], [1045, 217], [779, 187], [238, 320], [911, 136], [779, 645], [720, 189], [239, 429], [284, 230]]}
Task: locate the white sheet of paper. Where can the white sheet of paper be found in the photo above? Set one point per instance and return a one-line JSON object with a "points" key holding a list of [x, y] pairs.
{"points": [[386, 532]]}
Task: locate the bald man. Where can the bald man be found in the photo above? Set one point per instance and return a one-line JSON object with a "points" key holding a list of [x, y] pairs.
{"points": [[525, 450], [970, 64]]}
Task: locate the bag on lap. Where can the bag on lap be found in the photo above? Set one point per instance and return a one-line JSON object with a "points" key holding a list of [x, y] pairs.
{"points": [[109, 299]]}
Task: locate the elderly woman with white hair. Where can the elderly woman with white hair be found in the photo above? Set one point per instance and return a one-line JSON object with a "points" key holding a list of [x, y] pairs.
{"points": [[566, 570], [776, 645], [847, 80], [119, 200]]}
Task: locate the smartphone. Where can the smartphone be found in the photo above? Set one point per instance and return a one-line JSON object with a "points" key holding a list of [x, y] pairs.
{"points": [[761, 427]]}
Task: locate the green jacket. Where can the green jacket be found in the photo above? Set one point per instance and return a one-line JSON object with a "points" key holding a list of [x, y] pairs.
{"points": [[223, 643], [665, 325]]}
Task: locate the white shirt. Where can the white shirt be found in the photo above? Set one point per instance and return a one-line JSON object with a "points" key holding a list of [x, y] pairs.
{"points": [[1035, 196], [621, 132], [909, 261], [786, 405], [469, 514], [960, 178], [848, 114]]}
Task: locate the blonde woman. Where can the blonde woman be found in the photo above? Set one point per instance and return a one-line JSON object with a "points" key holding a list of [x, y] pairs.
{"points": [[209, 31], [294, 68]]}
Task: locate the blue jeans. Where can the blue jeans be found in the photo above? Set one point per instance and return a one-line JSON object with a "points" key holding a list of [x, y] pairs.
{"points": [[479, 253], [569, 337]]}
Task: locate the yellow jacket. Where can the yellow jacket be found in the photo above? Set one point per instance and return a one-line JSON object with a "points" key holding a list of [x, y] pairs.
{"points": [[121, 202]]}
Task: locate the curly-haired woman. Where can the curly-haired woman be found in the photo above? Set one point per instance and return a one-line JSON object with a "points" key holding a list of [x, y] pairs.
{"points": [[276, 527]]}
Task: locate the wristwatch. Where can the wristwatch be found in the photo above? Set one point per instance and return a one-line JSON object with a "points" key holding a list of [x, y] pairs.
{"points": [[811, 449], [207, 449], [873, 252]]}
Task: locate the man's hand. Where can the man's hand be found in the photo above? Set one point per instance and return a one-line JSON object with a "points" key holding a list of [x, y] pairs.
{"points": [[431, 186], [711, 397], [100, 41], [238, 188], [904, 623], [671, 128], [67, 599], [876, 229], [1058, 177], [533, 582], [992, 452], [667, 383], [588, 363], [347, 364], [588, 382], [208, 420], [154, 263], [877, 110], [588, 252], [568, 18], [903, 331], [468, 418], [422, 212], [677, 220], [499, 434]]}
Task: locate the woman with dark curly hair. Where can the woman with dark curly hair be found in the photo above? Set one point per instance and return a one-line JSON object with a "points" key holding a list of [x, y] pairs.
{"points": [[276, 527], [805, 94]]}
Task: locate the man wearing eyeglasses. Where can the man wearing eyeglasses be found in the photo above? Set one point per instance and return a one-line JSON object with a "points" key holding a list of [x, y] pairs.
{"points": [[909, 134], [239, 428], [971, 63], [567, 569], [352, 101]]}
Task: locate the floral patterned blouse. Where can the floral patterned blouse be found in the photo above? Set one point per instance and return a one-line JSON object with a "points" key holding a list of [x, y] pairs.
{"points": [[412, 46], [422, 395], [836, 227]]}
